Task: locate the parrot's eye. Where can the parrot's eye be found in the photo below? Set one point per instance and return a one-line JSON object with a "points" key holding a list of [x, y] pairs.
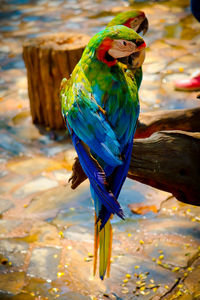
{"points": [[134, 23], [122, 48]]}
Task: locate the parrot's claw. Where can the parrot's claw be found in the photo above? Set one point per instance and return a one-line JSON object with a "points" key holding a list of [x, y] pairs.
{"points": [[78, 175]]}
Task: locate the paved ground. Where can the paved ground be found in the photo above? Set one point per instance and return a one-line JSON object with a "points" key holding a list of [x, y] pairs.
{"points": [[46, 229]]}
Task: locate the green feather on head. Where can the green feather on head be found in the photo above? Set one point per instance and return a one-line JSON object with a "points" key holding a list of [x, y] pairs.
{"points": [[133, 19], [117, 32]]}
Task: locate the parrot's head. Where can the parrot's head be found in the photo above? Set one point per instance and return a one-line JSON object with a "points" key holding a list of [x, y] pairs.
{"points": [[117, 43], [133, 19]]}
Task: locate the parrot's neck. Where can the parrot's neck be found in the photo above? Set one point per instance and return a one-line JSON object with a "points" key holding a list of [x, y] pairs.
{"points": [[94, 68], [92, 60], [101, 76]]}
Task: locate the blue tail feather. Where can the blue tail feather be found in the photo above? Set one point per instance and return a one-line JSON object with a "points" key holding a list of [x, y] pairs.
{"points": [[104, 216]]}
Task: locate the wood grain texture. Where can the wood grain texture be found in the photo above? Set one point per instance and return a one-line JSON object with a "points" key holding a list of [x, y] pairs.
{"points": [[48, 60], [170, 161], [180, 119]]}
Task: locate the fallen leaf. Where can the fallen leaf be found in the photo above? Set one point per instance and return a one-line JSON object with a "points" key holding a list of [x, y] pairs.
{"points": [[11, 55], [141, 209]]}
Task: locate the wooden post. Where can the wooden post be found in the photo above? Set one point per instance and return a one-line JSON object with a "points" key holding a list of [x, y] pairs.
{"points": [[48, 59]]}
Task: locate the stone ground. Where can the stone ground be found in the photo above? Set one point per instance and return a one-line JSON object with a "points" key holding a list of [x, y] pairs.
{"points": [[46, 229]]}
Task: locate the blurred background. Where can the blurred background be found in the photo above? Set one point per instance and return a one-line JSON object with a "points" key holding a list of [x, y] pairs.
{"points": [[46, 229]]}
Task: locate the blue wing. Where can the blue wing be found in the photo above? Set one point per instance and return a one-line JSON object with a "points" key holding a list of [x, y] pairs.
{"points": [[90, 125], [97, 178], [119, 175]]}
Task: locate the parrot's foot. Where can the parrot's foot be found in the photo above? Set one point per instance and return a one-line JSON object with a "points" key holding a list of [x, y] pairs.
{"points": [[190, 84], [78, 175]]}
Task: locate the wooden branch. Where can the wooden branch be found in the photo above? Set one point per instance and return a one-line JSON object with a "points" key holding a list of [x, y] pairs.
{"points": [[180, 119], [168, 160], [48, 60], [183, 119]]}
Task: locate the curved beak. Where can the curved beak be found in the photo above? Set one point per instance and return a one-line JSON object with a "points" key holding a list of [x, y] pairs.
{"points": [[143, 26], [133, 61], [127, 60]]}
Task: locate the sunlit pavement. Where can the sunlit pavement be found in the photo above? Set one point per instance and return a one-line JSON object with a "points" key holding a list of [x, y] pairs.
{"points": [[46, 229]]}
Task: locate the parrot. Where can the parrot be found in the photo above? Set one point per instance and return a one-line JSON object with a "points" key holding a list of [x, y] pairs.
{"points": [[100, 107], [136, 20]]}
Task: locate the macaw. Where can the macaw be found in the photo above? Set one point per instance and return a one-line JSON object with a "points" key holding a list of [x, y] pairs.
{"points": [[136, 20], [100, 107]]}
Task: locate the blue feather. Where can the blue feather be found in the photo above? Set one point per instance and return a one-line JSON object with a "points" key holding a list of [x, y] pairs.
{"points": [[120, 173], [91, 127], [102, 212], [97, 178]]}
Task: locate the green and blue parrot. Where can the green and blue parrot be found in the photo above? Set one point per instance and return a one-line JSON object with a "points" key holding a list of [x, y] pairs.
{"points": [[136, 20], [100, 107]]}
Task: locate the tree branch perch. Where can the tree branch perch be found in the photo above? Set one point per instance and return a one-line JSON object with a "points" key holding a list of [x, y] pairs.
{"points": [[167, 160]]}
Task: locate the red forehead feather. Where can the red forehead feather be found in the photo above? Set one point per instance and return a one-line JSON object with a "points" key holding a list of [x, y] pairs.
{"points": [[128, 22]]}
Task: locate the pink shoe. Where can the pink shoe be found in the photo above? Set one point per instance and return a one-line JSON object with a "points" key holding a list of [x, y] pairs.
{"points": [[190, 84]]}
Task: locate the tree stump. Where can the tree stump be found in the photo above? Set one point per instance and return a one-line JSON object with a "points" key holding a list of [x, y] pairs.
{"points": [[48, 59]]}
